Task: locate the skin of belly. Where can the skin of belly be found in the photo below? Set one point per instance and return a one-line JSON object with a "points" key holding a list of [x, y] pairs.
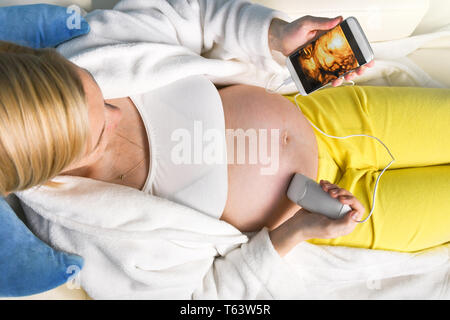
{"points": [[254, 199]]}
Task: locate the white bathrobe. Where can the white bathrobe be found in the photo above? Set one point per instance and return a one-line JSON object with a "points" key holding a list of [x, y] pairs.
{"points": [[137, 246], [141, 45]]}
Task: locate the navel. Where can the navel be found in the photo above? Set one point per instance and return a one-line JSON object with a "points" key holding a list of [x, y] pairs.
{"points": [[285, 137]]}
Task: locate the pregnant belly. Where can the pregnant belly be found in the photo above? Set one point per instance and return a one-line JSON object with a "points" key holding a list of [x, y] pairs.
{"points": [[268, 140]]}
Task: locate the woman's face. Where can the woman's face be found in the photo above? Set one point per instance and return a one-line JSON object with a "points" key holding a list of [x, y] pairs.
{"points": [[103, 119]]}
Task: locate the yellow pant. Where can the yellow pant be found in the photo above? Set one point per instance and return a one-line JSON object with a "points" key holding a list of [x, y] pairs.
{"points": [[412, 204]]}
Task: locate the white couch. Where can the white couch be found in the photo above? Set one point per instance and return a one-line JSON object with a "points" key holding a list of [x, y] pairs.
{"points": [[384, 20], [381, 19]]}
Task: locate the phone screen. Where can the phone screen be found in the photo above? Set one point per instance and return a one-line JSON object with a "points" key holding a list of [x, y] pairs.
{"points": [[327, 58]]}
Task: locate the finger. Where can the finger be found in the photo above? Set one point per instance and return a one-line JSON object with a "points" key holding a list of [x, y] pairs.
{"points": [[361, 70], [320, 23], [341, 192], [326, 185], [330, 185], [337, 82], [354, 216], [350, 76], [357, 216], [350, 219], [347, 76], [344, 199], [353, 203], [370, 64], [334, 192]]}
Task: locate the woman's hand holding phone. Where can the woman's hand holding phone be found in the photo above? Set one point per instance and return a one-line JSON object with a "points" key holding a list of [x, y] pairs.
{"points": [[285, 37]]}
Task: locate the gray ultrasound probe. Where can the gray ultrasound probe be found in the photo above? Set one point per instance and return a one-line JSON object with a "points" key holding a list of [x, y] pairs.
{"points": [[309, 195]]}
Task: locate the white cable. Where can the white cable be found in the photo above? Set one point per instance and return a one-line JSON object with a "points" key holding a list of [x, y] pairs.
{"points": [[287, 81], [357, 135], [284, 83]]}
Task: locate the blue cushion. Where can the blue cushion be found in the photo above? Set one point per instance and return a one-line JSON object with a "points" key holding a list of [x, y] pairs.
{"points": [[27, 265], [40, 25]]}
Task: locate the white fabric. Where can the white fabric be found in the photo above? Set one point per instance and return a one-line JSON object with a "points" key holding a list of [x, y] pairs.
{"points": [[394, 68], [186, 131], [381, 20], [437, 16], [137, 246], [158, 42], [140, 246]]}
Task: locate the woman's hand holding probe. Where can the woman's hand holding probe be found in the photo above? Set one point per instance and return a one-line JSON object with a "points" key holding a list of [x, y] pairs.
{"points": [[285, 37], [305, 225]]}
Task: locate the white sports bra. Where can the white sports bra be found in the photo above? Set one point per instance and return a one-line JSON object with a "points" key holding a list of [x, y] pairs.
{"points": [[185, 127]]}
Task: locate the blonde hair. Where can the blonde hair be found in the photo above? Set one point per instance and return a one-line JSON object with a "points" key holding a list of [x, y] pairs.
{"points": [[44, 124]]}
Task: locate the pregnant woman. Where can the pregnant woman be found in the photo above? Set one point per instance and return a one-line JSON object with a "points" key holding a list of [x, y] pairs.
{"points": [[55, 121]]}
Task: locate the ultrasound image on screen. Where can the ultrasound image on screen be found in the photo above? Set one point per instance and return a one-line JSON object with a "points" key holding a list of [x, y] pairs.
{"points": [[327, 58]]}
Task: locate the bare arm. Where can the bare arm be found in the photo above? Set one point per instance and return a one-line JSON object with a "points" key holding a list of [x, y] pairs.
{"points": [[305, 225]]}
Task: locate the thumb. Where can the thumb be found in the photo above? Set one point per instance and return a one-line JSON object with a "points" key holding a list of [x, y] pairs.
{"points": [[320, 23], [355, 215]]}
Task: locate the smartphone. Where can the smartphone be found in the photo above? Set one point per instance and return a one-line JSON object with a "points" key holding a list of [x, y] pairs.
{"points": [[332, 55]]}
